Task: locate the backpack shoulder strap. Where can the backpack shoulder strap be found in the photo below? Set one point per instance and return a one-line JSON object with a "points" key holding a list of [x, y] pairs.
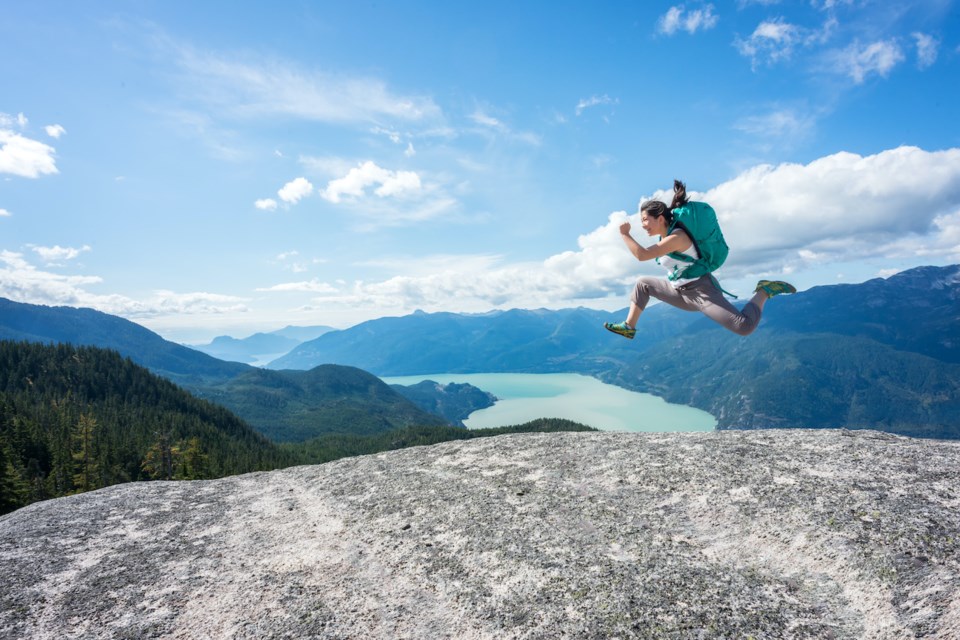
{"points": [[677, 224]]}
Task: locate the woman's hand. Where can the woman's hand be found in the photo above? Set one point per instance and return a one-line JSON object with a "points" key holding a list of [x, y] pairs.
{"points": [[625, 229]]}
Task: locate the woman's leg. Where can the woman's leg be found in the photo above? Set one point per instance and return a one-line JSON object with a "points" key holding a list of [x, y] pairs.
{"points": [[651, 287], [715, 306]]}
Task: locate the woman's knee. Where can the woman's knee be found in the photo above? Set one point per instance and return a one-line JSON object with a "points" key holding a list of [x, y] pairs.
{"points": [[641, 291], [743, 329]]}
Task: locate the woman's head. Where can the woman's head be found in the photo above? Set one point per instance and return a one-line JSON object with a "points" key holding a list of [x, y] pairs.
{"points": [[657, 209]]}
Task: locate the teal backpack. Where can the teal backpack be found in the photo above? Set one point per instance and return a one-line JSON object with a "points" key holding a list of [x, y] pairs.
{"points": [[699, 221]]}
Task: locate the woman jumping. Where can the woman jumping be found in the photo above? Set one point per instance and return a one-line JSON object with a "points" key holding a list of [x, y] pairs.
{"points": [[698, 293]]}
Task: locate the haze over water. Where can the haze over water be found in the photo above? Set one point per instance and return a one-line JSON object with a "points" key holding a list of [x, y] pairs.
{"points": [[523, 397]]}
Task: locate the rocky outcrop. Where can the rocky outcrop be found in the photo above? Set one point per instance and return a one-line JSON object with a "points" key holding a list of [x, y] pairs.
{"points": [[764, 534]]}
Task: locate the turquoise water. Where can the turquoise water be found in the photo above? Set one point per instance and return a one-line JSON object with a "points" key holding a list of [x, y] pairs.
{"points": [[523, 397]]}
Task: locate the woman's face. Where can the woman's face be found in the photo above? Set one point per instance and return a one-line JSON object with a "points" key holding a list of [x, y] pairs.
{"points": [[653, 225]]}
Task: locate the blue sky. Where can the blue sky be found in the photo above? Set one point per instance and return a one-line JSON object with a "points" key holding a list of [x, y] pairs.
{"points": [[224, 168]]}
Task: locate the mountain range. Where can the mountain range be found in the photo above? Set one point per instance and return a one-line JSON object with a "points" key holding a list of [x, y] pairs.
{"points": [[883, 354], [287, 406], [513, 341], [260, 347]]}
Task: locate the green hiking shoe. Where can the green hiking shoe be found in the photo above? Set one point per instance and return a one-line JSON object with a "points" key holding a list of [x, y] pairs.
{"points": [[620, 328], [775, 287]]}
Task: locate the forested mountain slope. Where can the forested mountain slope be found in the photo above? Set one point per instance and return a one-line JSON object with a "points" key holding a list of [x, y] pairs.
{"points": [[74, 419]]}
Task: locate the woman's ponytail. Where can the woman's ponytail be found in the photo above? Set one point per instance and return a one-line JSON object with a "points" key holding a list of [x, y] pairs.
{"points": [[679, 195], [657, 209]]}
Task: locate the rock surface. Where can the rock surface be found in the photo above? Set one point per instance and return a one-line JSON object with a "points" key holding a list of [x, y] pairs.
{"points": [[763, 534]]}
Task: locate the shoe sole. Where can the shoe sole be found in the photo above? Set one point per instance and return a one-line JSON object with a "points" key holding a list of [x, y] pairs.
{"points": [[625, 335], [788, 288]]}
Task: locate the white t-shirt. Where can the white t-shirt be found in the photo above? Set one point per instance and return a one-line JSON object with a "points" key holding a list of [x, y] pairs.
{"points": [[673, 265]]}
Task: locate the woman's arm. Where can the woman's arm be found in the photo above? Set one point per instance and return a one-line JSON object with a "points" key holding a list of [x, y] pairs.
{"points": [[677, 241]]}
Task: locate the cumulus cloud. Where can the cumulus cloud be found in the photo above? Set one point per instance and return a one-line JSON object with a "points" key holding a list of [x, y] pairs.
{"points": [[927, 49], [770, 42], [22, 156], [266, 204], [4, 213], [843, 207], [898, 204], [380, 197], [859, 61], [679, 18], [55, 130], [22, 281], [57, 253], [367, 174], [7, 120], [295, 190], [163, 302]]}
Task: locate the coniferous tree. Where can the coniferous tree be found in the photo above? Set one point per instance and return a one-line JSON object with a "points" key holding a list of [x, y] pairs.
{"points": [[194, 463], [78, 418], [86, 466], [12, 489], [160, 458]]}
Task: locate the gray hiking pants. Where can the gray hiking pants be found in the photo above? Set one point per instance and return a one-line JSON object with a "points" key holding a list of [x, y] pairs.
{"points": [[699, 295]]}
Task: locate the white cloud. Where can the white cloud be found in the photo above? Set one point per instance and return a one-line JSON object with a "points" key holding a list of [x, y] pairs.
{"points": [[897, 205], [858, 61], [380, 214], [295, 190], [4, 213], [491, 123], [777, 40], [55, 130], [927, 49], [288, 261], [843, 207], [486, 120], [830, 4], [778, 126], [311, 286], [771, 41], [22, 281], [57, 253], [394, 136], [254, 89], [21, 156], [266, 204], [593, 101], [677, 18], [355, 183], [381, 197], [164, 302], [7, 120], [900, 205]]}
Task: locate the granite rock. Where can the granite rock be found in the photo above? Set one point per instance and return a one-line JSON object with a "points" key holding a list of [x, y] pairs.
{"points": [[762, 534]]}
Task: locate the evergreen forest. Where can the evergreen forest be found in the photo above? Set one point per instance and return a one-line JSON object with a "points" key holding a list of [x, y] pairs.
{"points": [[73, 419], [79, 418]]}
